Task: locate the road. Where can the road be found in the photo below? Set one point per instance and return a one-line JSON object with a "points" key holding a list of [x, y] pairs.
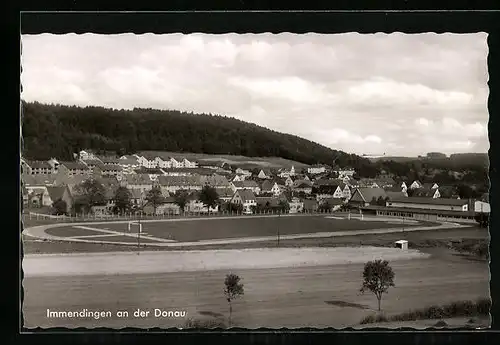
{"points": [[280, 297]]}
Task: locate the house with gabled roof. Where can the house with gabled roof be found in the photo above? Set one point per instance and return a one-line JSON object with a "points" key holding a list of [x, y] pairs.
{"points": [[38, 197], [363, 196], [264, 174], [245, 198], [416, 184]]}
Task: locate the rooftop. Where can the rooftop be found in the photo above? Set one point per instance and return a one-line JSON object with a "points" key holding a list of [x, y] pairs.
{"points": [[246, 194]]}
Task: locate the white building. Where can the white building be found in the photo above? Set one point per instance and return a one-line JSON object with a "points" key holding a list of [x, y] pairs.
{"points": [[441, 204], [316, 169], [481, 206], [86, 155]]}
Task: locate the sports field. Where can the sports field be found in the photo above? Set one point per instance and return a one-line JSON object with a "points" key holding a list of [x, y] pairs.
{"points": [[198, 230]]}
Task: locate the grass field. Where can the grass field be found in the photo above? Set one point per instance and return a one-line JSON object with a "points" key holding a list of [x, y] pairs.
{"points": [[321, 296], [196, 230]]}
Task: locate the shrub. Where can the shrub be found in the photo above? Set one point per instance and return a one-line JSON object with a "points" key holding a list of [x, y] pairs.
{"points": [[481, 306], [373, 318]]}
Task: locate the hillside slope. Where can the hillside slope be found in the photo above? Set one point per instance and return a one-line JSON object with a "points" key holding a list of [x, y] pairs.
{"points": [[240, 161], [58, 131]]}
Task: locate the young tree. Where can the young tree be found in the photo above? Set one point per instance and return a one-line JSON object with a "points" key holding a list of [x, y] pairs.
{"points": [[122, 199], [233, 289], [378, 276], [181, 199], [155, 197], [209, 197], [60, 207]]}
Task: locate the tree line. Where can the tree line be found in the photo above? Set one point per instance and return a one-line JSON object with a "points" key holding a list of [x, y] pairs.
{"points": [[59, 131]]}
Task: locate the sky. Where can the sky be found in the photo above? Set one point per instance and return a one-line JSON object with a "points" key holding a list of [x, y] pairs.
{"points": [[374, 94]]}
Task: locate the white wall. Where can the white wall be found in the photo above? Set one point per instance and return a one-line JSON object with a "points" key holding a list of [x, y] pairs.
{"points": [[428, 206]]}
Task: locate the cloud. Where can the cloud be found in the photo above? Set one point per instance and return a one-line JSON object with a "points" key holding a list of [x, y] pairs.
{"points": [[397, 93], [452, 126], [388, 92], [291, 89]]}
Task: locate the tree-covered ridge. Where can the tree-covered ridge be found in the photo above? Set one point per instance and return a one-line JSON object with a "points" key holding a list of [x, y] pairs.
{"points": [[59, 131]]}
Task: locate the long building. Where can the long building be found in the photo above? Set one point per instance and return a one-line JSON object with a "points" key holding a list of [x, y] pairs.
{"points": [[427, 209]]}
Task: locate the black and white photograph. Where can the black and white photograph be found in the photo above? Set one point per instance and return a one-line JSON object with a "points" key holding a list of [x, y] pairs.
{"points": [[219, 181]]}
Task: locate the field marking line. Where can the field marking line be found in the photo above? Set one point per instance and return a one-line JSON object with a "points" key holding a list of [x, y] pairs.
{"points": [[126, 234], [92, 236]]}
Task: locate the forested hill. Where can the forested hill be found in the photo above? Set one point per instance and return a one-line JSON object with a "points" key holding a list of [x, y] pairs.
{"points": [[58, 131]]}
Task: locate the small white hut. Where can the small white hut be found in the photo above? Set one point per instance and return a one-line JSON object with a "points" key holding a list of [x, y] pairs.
{"points": [[402, 244]]}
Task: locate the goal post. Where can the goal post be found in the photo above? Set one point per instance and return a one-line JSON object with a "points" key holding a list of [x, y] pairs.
{"points": [[135, 223]]}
